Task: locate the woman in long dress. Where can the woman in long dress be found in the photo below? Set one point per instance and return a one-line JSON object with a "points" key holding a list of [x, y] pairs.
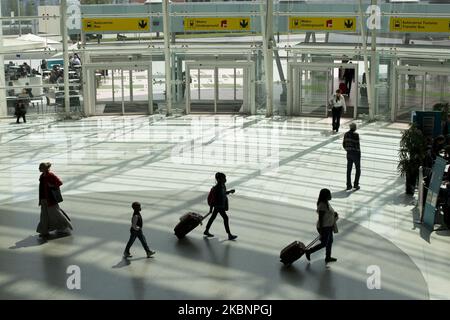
{"points": [[52, 217]]}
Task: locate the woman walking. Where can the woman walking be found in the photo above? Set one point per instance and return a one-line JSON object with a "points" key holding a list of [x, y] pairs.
{"points": [[52, 217], [326, 225]]}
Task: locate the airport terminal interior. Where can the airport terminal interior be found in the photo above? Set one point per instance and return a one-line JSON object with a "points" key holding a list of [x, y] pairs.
{"points": [[145, 101]]}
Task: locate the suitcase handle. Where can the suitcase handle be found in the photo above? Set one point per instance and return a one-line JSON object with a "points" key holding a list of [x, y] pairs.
{"points": [[313, 242], [206, 216]]}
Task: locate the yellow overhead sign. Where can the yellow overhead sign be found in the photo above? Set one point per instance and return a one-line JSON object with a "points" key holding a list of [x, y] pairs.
{"points": [[322, 23], [217, 24], [419, 24], [116, 24]]}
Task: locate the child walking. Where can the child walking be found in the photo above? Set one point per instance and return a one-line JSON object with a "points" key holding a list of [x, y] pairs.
{"points": [[136, 232]]}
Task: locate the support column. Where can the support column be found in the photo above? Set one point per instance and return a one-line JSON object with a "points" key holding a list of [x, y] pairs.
{"points": [[165, 9], [174, 75], [366, 62], [18, 15], [131, 85], [180, 79], [374, 66], [267, 32], [65, 37], [3, 105], [258, 76], [393, 87], [89, 92], [283, 95]]}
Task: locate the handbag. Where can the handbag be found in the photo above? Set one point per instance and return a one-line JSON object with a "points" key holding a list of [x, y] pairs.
{"points": [[56, 193]]}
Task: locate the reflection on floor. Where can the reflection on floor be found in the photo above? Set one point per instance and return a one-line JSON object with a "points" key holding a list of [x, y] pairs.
{"points": [[277, 166]]}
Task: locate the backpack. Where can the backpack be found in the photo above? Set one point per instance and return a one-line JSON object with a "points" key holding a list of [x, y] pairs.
{"points": [[212, 197]]}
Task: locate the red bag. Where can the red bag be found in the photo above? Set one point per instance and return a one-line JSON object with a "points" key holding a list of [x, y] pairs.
{"points": [[343, 88]]}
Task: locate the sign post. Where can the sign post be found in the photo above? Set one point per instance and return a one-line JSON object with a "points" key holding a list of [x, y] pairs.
{"points": [[429, 25], [323, 23], [433, 192], [217, 24], [95, 25]]}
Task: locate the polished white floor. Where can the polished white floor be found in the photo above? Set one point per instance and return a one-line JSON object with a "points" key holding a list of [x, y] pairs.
{"points": [[277, 167]]}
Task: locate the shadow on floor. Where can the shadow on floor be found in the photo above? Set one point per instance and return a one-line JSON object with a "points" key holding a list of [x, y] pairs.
{"points": [[341, 194], [126, 262], [30, 241], [33, 241]]}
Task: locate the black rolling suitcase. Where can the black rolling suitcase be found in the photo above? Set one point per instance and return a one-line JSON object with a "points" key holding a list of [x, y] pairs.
{"points": [[188, 222], [294, 251]]}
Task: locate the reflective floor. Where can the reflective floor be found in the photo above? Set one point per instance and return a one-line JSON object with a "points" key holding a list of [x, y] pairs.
{"points": [[277, 167]]}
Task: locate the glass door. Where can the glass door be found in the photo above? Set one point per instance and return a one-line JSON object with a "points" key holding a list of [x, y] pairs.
{"points": [[220, 88], [137, 95], [123, 90], [108, 95], [202, 90], [230, 90], [437, 89], [410, 94], [314, 89]]}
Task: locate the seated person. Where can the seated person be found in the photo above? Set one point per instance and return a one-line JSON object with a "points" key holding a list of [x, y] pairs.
{"points": [[44, 65], [29, 90], [438, 145], [447, 154], [11, 92]]}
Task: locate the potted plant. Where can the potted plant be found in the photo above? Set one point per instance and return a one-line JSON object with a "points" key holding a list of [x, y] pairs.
{"points": [[411, 156]]}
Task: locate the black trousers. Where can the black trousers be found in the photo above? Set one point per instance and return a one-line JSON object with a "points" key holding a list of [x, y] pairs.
{"points": [[348, 83], [21, 116], [336, 112], [353, 158], [136, 234], [326, 241], [224, 217]]}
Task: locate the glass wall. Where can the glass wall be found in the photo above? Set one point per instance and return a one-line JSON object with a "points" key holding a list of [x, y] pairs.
{"points": [[204, 32]]}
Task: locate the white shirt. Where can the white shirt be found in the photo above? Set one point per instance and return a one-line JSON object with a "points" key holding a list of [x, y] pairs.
{"points": [[339, 103], [328, 219]]}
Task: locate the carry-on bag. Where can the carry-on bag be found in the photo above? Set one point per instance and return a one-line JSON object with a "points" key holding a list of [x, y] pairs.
{"points": [[343, 88], [295, 251], [188, 222]]}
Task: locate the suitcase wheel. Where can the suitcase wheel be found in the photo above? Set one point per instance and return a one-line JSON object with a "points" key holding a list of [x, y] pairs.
{"points": [[287, 264], [179, 236]]}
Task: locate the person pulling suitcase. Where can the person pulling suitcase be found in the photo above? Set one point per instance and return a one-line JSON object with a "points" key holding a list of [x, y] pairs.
{"points": [[218, 203], [326, 225]]}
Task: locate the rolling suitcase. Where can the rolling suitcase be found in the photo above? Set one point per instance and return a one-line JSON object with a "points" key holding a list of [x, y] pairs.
{"points": [[188, 222], [294, 251]]}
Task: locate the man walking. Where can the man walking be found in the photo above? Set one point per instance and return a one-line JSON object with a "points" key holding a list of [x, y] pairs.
{"points": [[351, 145], [349, 77]]}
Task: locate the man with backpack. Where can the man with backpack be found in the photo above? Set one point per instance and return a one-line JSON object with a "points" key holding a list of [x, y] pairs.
{"points": [[218, 203]]}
